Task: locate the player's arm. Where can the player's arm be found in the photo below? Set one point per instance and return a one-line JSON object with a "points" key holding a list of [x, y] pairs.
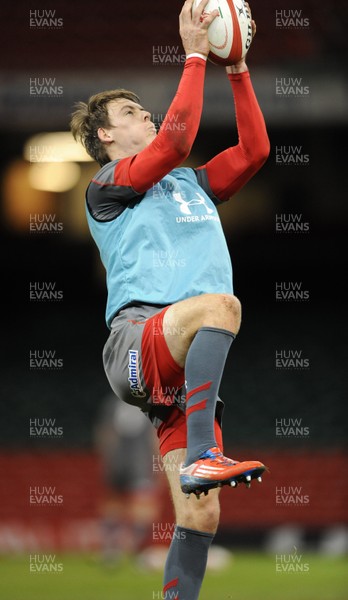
{"points": [[172, 145], [229, 171]]}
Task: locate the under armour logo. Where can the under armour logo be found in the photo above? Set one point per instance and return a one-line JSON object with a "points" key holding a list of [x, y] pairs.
{"points": [[184, 205]]}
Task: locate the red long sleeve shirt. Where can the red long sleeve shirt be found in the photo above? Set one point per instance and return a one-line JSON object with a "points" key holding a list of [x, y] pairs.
{"points": [[227, 172]]}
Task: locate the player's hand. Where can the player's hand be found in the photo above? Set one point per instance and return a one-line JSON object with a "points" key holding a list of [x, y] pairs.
{"points": [[241, 66], [194, 27]]}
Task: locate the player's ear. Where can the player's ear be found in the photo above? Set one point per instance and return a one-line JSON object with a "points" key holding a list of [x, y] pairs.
{"points": [[104, 135]]}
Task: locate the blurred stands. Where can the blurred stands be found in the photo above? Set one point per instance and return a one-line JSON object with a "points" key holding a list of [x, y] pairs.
{"points": [[314, 478], [108, 36]]}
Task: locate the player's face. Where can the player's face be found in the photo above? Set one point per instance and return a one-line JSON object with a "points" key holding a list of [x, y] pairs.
{"points": [[131, 126]]}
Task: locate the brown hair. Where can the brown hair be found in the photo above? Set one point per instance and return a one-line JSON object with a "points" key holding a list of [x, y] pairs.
{"points": [[88, 117]]}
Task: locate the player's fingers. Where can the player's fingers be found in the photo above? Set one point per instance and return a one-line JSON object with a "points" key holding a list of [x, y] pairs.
{"points": [[200, 7], [253, 24], [247, 6], [198, 13], [207, 18], [186, 10]]}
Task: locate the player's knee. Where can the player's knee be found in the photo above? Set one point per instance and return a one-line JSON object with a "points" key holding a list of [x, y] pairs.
{"points": [[206, 515], [223, 308], [202, 514], [232, 305], [208, 519]]}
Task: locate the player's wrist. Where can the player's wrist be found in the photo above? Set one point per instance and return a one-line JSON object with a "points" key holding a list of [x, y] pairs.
{"points": [[196, 55], [240, 67]]}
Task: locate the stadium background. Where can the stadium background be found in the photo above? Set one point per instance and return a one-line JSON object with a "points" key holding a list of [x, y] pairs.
{"points": [[101, 46]]}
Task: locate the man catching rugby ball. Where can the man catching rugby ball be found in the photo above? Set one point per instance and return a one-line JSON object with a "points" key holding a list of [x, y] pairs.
{"points": [[172, 322]]}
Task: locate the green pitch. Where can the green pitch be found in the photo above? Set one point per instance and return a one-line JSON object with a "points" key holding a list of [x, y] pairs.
{"points": [[247, 577]]}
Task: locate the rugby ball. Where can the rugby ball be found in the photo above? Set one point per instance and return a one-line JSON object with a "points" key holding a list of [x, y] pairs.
{"points": [[230, 34]]}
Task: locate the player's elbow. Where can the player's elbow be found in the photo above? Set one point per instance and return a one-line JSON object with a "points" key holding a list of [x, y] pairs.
{"points": [[175, 150], [181, 154], [182, 147], [261, 151], [266, 149], [179, 134]]}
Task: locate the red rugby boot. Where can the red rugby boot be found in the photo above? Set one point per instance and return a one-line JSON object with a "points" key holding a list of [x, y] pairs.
{"points": [[212, 469]]}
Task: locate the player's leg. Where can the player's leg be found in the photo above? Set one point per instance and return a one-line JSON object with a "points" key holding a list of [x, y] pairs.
{"points": [[199, 332], [196, 524], [183, 319]]}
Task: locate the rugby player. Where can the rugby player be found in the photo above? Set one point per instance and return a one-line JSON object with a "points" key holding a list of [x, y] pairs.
{"points": [[170, 307]]}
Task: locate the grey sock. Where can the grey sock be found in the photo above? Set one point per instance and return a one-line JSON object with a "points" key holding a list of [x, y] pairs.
{"points": [[204, 366], [186, 564]]}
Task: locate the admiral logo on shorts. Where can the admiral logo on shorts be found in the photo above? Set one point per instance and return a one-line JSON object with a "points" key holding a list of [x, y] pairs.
{"points": [[133, 375]]}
